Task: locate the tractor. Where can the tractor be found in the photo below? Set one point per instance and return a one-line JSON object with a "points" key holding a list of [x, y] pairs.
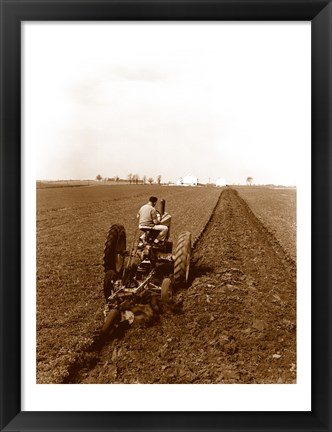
{"points": [[149, 270]]}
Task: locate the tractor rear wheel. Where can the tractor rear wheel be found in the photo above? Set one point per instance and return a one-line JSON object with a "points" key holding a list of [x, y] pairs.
{"points": [[166, 290], [113, 318], [114, 250], [182, 259]]}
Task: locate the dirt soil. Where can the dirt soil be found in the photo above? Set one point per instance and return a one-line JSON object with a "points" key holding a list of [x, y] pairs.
{"points": [[238, 320], [72, 225]]}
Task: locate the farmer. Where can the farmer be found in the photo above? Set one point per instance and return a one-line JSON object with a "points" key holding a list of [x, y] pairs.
{"points": [[149, 217]]}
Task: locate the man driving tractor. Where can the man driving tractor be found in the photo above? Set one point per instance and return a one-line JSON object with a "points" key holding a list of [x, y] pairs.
{"points": [[150, 218]]}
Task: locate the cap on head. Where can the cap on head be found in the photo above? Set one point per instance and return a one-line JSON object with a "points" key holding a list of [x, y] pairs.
{"points": [[153, 199]]}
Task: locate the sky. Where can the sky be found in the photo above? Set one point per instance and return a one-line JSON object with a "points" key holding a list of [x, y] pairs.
{"points": [[215, 99]]}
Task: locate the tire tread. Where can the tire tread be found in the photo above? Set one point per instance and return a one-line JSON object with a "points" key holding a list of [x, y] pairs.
{"points": [[182, 254]]}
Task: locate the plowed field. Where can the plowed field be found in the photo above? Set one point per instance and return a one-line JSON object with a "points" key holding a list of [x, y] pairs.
{"points": [[72, 224], [238, 322], [276, 209], [238, 318]]}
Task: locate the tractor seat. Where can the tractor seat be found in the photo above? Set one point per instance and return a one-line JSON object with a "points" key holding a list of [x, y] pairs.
{"points": [[150, 234], [146, 229]]}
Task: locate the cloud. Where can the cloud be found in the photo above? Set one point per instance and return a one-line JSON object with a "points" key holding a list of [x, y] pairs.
{"points": [[137, 74]]}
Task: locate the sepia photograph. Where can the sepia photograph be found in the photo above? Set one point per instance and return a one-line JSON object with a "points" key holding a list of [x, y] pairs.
{"points": [[170, 179]]}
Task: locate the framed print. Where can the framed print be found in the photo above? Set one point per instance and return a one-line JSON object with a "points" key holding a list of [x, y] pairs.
{"points": [[219, 320]]}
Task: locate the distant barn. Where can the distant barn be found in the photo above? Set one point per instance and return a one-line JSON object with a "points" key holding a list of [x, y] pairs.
{"points": [[188, 180], [221, 182]]}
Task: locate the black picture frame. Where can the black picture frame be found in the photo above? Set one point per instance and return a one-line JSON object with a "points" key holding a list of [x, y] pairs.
{"points": [[13, 12]]}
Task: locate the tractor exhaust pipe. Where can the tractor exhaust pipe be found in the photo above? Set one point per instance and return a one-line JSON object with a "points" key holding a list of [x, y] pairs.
{"points": [[162, 206]]}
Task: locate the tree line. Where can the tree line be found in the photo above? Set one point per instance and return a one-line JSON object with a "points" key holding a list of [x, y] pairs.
{"points": [[131, 179], [135, 179]]}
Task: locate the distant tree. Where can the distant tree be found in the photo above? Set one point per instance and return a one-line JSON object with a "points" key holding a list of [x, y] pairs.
{"points": [[159, 179], [150, 180], [130, 178], [135, 178], [144, 180], [99, 177], [249, 181], [116, 178]]}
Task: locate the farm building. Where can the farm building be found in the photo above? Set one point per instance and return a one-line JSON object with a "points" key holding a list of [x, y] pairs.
{"points": [[220, 182], [188, 180]]}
